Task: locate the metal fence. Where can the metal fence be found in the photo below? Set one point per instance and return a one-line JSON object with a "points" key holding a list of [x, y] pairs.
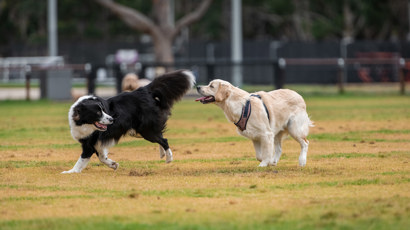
{"points": [[315, 62]]}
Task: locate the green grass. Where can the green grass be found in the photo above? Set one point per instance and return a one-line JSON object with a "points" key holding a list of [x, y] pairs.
{"points": [[327, 221], [357, 174]]}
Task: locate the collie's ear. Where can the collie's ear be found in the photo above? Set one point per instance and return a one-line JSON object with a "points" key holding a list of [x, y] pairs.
{"points": [[76, 114], [222, 93]]}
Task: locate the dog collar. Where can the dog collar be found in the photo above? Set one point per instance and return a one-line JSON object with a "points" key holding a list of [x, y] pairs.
{"points": [[246, 113]]}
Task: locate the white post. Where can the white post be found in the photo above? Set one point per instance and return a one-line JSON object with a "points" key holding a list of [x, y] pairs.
{"points": [[52, 28], [236, 42]]}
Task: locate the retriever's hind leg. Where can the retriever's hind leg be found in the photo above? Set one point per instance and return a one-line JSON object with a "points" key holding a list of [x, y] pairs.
{"points": [[304, 144], [298, 128]]}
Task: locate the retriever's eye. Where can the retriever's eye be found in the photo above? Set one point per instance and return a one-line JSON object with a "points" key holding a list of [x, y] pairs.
{"points": [[211, 86]]}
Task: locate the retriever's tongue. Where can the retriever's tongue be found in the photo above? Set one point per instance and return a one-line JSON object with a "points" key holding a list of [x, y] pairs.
{"points": [[200, 99]]}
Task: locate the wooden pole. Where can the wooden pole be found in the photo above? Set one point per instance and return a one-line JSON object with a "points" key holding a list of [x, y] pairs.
{"points": [[340, 75], [236, 42], [27, 71], [402, 64]]}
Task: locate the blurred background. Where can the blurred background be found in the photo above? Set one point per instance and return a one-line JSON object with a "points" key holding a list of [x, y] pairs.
{"points": [[61, 49]]}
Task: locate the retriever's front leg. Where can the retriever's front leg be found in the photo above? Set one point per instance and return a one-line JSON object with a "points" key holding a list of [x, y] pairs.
{"points": [[266, 146], [278, 146], [257, 146]]}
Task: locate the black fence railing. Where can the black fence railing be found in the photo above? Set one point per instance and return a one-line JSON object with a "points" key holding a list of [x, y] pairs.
{"points": [[263, 71], [275, 72]]}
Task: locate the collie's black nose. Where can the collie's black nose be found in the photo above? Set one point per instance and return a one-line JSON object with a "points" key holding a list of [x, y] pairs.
{"points": [[198, 87]]}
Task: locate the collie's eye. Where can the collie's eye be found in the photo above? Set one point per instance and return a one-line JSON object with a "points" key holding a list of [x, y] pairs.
{"points": [[99, 113]]}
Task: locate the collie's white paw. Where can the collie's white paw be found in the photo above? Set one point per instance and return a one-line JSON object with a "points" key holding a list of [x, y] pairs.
{"points": [[161, 152], [114, 165], [70, 171], [169, 156]]}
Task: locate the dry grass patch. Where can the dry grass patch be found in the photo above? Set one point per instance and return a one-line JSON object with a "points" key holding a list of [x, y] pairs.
{"points": [[357, 174]]}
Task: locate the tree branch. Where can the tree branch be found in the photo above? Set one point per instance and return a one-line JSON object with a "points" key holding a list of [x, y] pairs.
{"points": [[191, 17], [131, 17]]}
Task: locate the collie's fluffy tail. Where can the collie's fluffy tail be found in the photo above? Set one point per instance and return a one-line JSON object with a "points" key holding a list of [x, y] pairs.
{"points": [[171, 87]]}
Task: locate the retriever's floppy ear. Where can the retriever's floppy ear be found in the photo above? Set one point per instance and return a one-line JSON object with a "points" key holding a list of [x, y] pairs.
{"points": [[222, 93]]}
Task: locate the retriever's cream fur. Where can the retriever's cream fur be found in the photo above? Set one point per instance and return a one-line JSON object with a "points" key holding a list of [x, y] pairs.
{"points": [[287, 113], [131, 82]]}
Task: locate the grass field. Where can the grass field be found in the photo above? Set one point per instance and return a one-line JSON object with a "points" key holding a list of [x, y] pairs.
{"points": [[357, 174]]}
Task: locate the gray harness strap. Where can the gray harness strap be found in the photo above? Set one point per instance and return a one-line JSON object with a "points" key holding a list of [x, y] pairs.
{"points": [[246, 113]]}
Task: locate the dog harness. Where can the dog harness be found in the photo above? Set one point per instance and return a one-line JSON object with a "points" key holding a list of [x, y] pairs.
{"points": [[246, 113]]}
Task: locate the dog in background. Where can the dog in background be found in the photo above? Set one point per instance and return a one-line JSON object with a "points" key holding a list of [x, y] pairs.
{"points": [[131, 82], [264, 117], [98, 124]]}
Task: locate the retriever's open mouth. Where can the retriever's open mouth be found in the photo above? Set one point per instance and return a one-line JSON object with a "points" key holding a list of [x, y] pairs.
{"points": [[100, 126], [205, 100]]}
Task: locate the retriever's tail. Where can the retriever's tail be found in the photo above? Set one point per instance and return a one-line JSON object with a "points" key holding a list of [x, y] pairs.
{"points": [[171, 87]]}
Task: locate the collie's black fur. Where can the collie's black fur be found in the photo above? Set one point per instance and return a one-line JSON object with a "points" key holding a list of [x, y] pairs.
{"points": [[144, 111]]}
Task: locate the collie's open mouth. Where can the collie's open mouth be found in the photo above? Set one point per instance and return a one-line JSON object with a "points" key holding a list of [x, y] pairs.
{"points": [[205, 100], [100, 127]]}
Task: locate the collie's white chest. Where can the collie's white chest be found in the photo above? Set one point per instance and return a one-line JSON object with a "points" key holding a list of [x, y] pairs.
{"points": [[81, 132]]}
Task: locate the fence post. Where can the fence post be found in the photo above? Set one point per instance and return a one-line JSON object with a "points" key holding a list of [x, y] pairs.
{"points": [[210, 71], [119, 70], [340, 75], [402, 65], [210, 61], [141, 74], [27, 70], [279, 72], [91, 76]]}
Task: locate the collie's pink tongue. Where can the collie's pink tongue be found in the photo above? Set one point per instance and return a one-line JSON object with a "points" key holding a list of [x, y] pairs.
{"points": [[100, 125]]}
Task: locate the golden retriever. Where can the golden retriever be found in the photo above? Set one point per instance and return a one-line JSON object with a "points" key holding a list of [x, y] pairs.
{"points": [[131, 82], [272, 116]]}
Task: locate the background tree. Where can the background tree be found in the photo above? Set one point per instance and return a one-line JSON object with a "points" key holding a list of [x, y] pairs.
{"points": [[23, 23], [161, 28]]}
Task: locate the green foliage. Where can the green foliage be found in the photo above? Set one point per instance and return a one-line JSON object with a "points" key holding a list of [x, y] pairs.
{"points": [[26, 20]]}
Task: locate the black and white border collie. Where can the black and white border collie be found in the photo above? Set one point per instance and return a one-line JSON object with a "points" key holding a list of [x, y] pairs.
{"points": [[99, 124]]}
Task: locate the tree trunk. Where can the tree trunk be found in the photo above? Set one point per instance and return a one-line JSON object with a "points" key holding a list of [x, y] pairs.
{"points": [[348, 18], [163, 29], [163, 37], [301, 20], [163, 50]]}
